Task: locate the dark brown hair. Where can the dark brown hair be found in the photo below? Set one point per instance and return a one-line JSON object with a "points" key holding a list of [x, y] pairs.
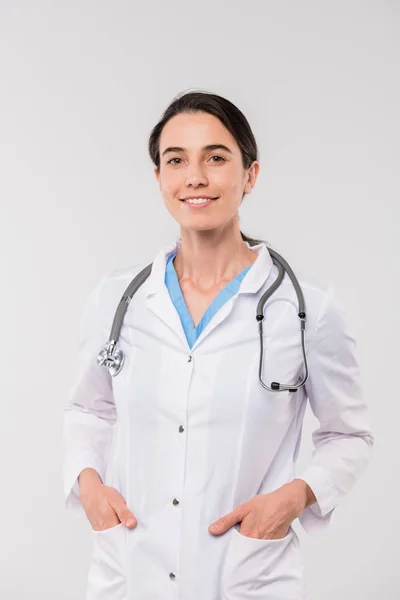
{"points": [[230, 116]]}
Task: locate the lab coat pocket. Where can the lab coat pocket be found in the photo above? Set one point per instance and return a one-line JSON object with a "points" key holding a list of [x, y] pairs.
{"points": [[107, 572], [257, 569]]}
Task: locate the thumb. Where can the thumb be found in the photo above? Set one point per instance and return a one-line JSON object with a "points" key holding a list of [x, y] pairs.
{"points": [[226, 522], [124, 514]]}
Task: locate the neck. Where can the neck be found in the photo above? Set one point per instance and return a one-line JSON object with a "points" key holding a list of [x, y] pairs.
{"points": [[206, 261]]}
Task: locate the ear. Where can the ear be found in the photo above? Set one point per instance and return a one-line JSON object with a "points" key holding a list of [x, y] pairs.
{"points": [[252, 176], [157, 174]]}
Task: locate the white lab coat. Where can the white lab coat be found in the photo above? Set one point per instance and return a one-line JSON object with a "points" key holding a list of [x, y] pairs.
{"points": [[197, 435]]}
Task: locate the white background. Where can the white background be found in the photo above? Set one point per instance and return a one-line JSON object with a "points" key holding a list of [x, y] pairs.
{"points": [[81, 85]]}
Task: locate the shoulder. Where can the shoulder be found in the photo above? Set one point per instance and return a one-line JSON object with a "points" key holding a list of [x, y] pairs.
{"points": [[324, 306], [331, 327], [109, 290], [314, 288], [114, 283]]}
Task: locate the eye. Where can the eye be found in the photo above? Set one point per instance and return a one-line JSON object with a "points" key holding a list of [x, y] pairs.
{"points": [[170, 161]]}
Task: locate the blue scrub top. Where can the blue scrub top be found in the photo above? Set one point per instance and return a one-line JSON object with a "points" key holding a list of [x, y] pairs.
{"points": [[172, 283]]}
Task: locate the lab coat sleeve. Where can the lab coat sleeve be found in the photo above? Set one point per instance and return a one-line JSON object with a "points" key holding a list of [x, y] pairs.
{"points": [[343, 440], [89, 413]]}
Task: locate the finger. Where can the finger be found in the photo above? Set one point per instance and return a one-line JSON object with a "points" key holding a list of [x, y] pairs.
{"points": [[101, 523], [227, 521], [124, 514], [127, 517]]}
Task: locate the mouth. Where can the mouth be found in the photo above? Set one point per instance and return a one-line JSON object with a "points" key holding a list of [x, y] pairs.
{"points": [[200, 202]]}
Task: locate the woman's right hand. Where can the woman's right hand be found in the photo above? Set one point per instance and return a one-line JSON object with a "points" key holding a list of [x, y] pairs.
{"points": [[104, 506]]}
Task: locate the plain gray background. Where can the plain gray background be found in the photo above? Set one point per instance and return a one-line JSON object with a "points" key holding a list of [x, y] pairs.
{"points": [[81, 85]]}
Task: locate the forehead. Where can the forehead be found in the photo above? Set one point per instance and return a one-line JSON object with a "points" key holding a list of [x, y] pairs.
{"points": [[193, 130]]}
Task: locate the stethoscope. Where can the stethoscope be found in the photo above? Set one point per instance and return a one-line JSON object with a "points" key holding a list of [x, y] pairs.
{"points": [[112, 357]]}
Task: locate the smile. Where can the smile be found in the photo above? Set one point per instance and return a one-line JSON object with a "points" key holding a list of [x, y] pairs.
{"points": [[198, 201]]}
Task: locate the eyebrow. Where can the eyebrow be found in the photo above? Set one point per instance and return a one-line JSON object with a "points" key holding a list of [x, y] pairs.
{"points": [[204, 149]]}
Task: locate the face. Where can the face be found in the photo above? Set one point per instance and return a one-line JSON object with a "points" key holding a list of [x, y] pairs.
{"points": [[188, 169]]}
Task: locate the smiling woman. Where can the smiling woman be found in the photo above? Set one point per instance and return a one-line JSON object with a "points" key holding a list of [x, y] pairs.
{"points": [[202, 491], [229, 165]]}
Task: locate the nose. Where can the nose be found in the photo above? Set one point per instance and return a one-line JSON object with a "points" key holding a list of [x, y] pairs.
{"points": [[195, 176]]}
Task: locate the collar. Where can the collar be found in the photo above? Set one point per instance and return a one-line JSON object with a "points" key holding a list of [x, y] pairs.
{"points": [[251, 283]]}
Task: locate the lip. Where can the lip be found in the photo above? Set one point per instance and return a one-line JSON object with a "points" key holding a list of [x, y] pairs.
{"points": [[198, 206], [200, 196]]}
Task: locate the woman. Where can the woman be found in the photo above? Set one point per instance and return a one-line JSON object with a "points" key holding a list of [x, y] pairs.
{"points": [[202, 492]]}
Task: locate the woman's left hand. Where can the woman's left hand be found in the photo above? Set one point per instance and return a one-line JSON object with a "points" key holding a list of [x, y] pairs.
{"points": [[267, 516]]}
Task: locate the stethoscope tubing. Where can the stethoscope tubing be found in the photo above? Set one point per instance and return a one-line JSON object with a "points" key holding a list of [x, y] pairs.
{"points": [[282, 266], [112, 357]]}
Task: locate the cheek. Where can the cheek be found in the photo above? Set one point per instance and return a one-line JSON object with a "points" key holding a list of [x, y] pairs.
{"points": [[228, 181], [169, 189], [170, 195], [170, 183]]}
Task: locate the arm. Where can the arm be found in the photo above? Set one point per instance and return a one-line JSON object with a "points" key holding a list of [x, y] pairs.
{"points": [[89, 414], [343, 440]]}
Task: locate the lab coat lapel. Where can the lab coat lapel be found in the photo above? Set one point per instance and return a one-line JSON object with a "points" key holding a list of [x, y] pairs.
{"points": [[251, 283], [159, 300], [162, 306], [157, 294]]}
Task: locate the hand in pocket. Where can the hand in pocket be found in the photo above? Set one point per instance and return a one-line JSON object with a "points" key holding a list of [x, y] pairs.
{"points": [[105, 507]]}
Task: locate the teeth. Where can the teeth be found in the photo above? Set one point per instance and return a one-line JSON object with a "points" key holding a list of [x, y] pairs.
{"points": [[198, 200]]}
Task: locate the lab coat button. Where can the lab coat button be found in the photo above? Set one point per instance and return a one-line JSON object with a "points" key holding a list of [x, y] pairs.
{"points": [[190, 358], [175, 501], [172, 575], [181, 429]]}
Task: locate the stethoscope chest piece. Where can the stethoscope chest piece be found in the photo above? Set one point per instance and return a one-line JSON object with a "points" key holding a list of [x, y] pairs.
{"points": [[111, 357]]}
